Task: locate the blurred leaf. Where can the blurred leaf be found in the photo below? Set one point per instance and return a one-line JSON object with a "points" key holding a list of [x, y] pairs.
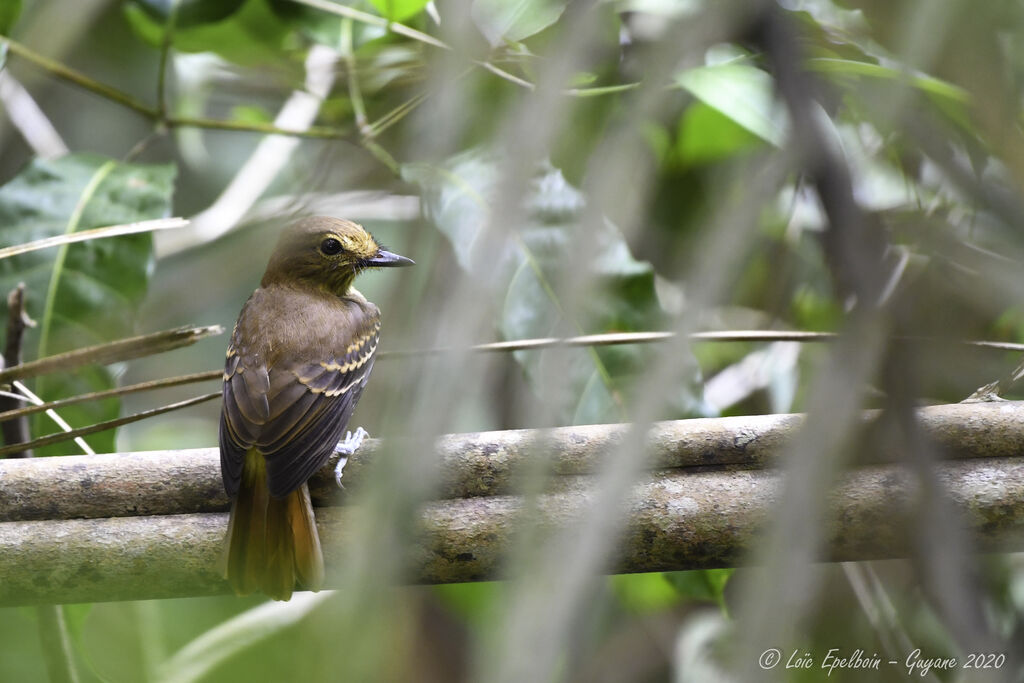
{"points": [[951, 99], [252, 35], [324, 27], [399, 10], [110, 642], [514, 20], [641, 593], [75, 616], [189, 12], [742, 93], [214, 647], [701, 584], [476, 602], [84, 293], [706, 135], [526, 264], [9, 11]]}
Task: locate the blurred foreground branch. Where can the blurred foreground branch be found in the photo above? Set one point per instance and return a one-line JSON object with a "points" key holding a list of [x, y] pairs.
{"points": [[153, 523]]}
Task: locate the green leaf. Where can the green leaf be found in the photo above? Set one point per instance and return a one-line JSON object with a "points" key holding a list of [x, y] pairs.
{"points": [[547, 248], [399, 10], [707, 135], [198, 658], [253, 35], [514, 20], [928, 84], [701, 584], [951, 99], [743, 94], [642, 593], [9, 11], [188, 13], [85, 293]]}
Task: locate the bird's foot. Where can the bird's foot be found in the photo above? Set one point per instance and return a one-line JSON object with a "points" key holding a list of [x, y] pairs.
{"points": [[345, 448]]}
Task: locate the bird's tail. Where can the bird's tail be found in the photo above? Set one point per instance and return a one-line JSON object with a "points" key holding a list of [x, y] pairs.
{"points": [[272, 542]]}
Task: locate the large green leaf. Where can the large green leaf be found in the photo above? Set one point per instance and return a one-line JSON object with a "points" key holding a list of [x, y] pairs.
{"points": [[742, 93], [83, 293], [514, 20], [547, 249], [252, 34], [707, 135]]}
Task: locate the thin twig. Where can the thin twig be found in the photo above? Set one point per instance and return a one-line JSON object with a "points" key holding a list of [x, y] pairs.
{"points": [[57, 419], [108, 424], [17, 321], [354, 92], [104, 354], [165, 51], [396, 114], [94, 233], [317, 132], [71, 76], [374, 20], [112, 393], [111, 93], [617, 338]]}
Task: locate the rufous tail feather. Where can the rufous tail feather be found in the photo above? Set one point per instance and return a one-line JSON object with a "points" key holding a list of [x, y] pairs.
{"points": [[271, 541]]}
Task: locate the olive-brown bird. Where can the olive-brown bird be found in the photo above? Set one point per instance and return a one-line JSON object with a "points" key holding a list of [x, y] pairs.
{"points": [[300, 355]]}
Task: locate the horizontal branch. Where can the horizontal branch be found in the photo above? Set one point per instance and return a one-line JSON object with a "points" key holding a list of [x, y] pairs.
{"points": [[676, 520], [111, 352], [472, 465], [150, 525], [617, 338]]}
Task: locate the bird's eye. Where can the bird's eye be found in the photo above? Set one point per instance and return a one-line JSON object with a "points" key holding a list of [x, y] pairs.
{"points": [[330, 246]]}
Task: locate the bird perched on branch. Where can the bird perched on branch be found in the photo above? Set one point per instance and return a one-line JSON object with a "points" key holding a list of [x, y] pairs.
{"points": [[300, 355]]}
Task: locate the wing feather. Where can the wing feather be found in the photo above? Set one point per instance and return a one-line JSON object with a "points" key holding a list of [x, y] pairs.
{"points": [[293, 411]]}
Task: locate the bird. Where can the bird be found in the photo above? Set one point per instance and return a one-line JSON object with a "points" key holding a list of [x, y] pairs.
{"points": [[299, 358]]}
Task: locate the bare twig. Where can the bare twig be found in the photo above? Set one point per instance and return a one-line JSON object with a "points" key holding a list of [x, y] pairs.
{"points": [[111, 93], [17, 320], [111, 393], [68, 74], [103, 354], [616, 338], [94, 233], [61, 422], [109, 424]]}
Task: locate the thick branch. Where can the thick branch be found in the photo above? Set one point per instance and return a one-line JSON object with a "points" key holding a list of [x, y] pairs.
{"points": [[480, 464], [682, 519], [134, 526]]}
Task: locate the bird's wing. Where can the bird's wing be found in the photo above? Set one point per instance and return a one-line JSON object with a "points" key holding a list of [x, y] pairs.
{"points": [[294, 412]]}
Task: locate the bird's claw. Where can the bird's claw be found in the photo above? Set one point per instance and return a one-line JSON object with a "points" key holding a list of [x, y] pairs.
{"points": [[345, 448]]}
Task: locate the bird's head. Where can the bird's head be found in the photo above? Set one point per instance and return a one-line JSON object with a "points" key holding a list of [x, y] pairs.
{"points": [[327, 253]]}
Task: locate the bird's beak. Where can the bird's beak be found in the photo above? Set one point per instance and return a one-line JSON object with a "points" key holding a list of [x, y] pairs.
{"points": [[386, 259]]}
